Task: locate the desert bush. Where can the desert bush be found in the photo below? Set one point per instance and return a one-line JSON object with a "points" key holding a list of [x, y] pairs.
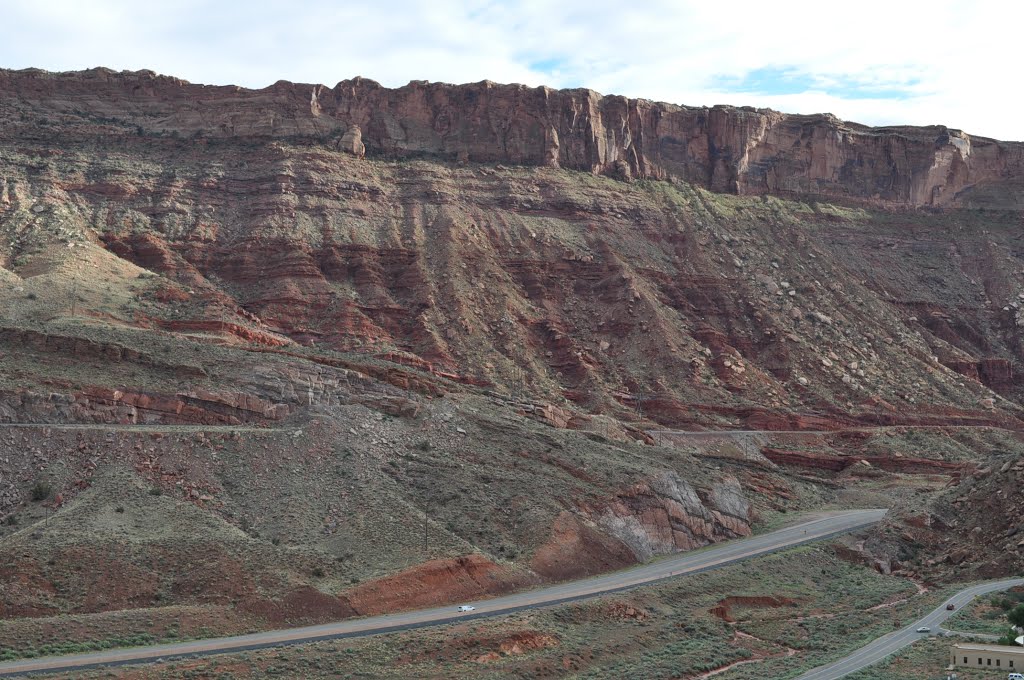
{"points": [[40, 491], [1009, 638]]}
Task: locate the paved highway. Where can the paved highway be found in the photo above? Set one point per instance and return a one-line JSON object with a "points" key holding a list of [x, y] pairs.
{"points": [[888, 644], [732, 433], [823, 525]]}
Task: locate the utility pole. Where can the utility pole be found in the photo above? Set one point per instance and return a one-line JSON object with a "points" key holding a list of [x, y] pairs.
{"points": [[74, 292], [515, 530]]}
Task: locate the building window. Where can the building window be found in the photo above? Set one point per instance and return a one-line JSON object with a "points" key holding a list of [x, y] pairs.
{"points": [[979, 660], [999, 662], [965, 659], [989, 662]]}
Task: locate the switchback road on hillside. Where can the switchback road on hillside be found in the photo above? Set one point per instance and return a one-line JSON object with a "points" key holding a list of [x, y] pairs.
{"points": [[891, 643], [698, 434], [822, 526], [145, 427]]}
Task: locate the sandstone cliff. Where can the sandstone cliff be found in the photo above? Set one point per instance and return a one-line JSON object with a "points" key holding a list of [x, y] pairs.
{"points": [[727, 149]]}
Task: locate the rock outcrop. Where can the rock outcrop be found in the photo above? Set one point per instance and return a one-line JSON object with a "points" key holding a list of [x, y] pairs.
{"points": [[658, 516], [740, 150], [666, 515], [352, 142]]}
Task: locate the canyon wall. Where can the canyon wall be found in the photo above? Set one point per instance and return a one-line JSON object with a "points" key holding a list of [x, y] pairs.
{"points": [[727, 149]]}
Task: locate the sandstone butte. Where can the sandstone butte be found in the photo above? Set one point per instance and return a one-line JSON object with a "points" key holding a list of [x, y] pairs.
{"points": [[727, 149]]}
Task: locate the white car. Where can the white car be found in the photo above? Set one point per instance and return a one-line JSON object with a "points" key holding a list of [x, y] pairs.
{"points": [[924, 629], [467, 608]]}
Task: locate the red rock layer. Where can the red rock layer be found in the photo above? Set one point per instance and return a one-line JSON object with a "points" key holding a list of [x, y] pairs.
{"points": [[114, 406], [741, 150], [832, 463], [436, 582], [723, 609], [577, 550]]}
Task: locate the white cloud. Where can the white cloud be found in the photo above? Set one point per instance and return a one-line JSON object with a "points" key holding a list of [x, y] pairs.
{"points": [[951, 61]]}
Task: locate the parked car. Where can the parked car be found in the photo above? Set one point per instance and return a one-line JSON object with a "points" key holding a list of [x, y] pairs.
{"points": [[466, 608], [1015, 676], [924, 629], [950, 607]]}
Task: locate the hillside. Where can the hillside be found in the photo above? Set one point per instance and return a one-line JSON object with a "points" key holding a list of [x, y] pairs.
{"points": [[375, 348]]}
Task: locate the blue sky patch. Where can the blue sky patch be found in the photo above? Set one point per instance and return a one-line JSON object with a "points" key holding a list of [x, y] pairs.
{"points": [[547, 66], [783, 81]]}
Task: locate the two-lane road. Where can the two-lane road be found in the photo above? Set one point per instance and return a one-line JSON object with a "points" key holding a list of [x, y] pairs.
{"points": [[891, 643], [823, 526]]}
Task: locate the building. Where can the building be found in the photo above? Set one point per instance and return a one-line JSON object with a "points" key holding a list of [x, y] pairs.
{"points": [[990, 657]]}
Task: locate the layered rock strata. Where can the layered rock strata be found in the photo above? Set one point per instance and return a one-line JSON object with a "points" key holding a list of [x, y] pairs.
{"points": [[740, 150]]}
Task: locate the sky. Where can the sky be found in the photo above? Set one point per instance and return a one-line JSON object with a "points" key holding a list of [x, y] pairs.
{"points": [[948, 62]]}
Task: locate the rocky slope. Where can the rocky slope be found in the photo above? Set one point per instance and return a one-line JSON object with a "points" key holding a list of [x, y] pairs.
{"points": [[970, 531], [684, 306], [347, 322]]}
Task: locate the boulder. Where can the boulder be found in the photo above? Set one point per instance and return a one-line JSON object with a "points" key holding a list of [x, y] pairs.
{"points": [[352, 142]]}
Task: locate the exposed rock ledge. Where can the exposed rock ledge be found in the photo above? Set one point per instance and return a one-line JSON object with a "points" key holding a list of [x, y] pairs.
{"points": [[730, 149], [666, 515]]}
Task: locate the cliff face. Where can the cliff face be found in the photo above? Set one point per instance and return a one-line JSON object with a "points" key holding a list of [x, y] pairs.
{"points": [[727, 149]]}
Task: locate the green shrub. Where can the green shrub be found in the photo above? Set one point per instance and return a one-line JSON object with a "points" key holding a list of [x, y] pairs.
{"points": [[1009, 638], [41, 491]]}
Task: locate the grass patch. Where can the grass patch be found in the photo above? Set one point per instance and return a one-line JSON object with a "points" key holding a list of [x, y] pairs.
{"points": [[985, 614]]}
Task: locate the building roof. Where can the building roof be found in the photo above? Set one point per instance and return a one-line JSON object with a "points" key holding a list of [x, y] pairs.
{"points": [[1006, 649]]}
